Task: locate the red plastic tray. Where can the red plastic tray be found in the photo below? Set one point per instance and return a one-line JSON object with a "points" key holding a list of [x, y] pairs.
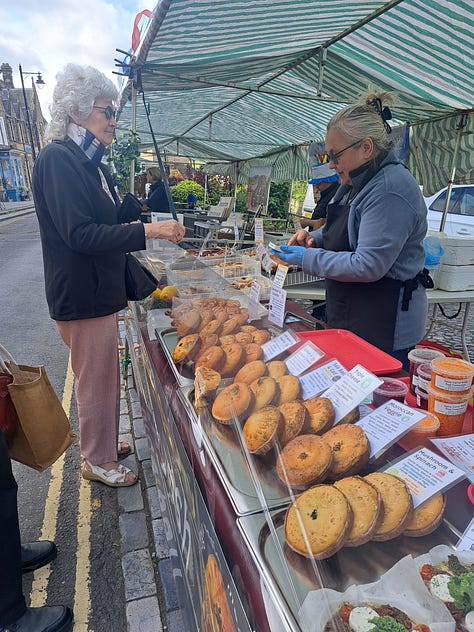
{"points": [[350, 350]]}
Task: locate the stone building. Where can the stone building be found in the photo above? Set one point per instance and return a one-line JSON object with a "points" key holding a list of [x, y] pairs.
{"points": [[20, 142]]}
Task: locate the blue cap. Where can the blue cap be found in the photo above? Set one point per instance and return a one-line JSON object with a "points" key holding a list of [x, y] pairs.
{"points": [[191, 198], [322, 173]]}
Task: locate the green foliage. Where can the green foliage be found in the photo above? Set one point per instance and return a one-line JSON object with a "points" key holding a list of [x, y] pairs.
{"points": [[299, 189], [180, 192], [120, 155], [279, 199], [461, 589], [241, 199]]}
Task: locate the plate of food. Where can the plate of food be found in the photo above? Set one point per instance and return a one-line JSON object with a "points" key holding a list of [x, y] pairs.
{"points": [[449, 576]]}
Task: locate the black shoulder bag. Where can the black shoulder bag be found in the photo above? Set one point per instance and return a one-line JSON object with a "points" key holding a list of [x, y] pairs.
{"points": [[139, 281]]}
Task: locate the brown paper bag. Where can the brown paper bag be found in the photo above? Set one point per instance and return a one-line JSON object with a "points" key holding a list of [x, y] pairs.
{"points": [[43, 432]]}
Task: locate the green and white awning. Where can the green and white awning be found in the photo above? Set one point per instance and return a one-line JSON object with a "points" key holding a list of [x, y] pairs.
{"points": [[232, 81]]}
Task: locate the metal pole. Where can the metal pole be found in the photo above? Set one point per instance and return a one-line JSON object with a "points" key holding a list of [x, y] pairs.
{"points": [[134, 128], [460, 127], [33, 153]]}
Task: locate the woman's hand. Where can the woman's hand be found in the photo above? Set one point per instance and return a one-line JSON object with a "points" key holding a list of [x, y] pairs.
{"points": [[301, 238], [169, 229]]}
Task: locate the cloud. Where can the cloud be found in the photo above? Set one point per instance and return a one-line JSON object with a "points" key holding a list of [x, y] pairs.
{"points": [[45, 36]]}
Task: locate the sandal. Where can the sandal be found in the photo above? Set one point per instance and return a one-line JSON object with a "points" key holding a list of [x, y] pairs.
{"points": [[116, 477], [124, 448]]}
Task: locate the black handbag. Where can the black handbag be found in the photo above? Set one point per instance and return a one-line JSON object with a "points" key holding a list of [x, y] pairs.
{"points": [[139, 281], [130, 209]]}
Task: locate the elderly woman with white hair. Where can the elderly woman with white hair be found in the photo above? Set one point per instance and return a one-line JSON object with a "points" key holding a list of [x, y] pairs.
{"points": [[84, 247]]}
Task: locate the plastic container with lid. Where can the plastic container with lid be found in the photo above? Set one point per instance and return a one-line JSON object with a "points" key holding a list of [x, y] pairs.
{"points": [[417, 356], [452, 375], [421, 432], [421, 398], [391, 388], [423, 374], [450, 408]]}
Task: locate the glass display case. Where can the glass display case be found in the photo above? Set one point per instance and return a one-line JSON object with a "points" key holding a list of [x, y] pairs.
{"points": [[237, 455]]}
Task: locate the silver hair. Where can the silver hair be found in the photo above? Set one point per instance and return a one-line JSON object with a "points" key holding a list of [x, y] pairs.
{"points": [[76, 91], [362, 120]]}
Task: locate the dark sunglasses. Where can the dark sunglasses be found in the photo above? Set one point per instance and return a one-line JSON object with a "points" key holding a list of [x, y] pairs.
{"points": [[334, 157], [109, 112]]}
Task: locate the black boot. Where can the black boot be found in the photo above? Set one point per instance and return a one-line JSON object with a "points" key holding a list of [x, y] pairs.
{"points": [[37, 554], [44, 619]]}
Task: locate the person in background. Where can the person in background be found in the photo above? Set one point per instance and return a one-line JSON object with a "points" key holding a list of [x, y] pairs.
{"points": [[325, 184], [191, 201], [16, 559], [157, 200], [84, 247], [370, 251]]}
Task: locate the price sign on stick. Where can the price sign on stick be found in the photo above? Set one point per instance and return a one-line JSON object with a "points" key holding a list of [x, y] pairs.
{"points": [[259, 230]]}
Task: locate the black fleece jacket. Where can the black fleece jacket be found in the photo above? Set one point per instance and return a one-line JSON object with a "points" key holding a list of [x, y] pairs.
{"points": [[83, 244]]}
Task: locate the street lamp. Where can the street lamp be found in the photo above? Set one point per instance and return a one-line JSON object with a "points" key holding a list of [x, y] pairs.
{"points": [[40, 83]]}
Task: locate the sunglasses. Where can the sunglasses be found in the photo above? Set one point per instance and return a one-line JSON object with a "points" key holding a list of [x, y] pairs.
{"points": [[334, 157], [109, 112]]}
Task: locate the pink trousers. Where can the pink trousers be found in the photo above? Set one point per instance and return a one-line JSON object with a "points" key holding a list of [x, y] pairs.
{"points": [[93, 343]]}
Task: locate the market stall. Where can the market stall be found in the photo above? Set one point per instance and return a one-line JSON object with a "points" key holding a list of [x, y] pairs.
{"points": [[228, 501]]}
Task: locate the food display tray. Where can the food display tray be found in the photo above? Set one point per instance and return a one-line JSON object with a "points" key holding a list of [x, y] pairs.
{"points": [[235, 472], [350, 350], [289, 576], [167, 339]]}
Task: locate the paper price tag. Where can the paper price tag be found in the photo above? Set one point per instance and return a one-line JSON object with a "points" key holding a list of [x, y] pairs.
{"points": [[386, 424], [254, 300], [279, 344], [258, 230], [321, 378], [276, 306], [265, 259], [351, 390], [280, 276], [466, 542], [425, 474], [460, 451], [303, 358]]}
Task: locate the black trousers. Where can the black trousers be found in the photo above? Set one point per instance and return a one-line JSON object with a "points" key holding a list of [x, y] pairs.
{"points": [[12, 601]]}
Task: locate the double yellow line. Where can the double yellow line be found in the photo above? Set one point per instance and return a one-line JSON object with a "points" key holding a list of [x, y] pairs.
{"points": [[39, 588]]}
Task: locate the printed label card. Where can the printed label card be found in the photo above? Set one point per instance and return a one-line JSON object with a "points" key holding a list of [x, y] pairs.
{"points": [[276, 306], [351, 390], [321, 378], [460, 451], [303, 358], [258, 230]]}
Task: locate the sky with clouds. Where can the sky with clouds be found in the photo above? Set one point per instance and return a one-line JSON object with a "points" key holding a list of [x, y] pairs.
{"points": [[44, 36]]}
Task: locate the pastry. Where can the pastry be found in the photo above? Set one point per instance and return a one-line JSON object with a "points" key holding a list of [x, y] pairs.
{"points": [[230, 326], [233, 402], [366, 505], [188, 323], [260, 336], [290, 389], [265, 390], [186, 348], [206, 383], [251, 372], [261, 430], [304, 461], [294, 419], [213, 358], [324, 514], [276, 368], [351, 450], [397, 505], [243, 337], [321, 414], [234, 359], [253, 351], [426, 517], [211, 327]]}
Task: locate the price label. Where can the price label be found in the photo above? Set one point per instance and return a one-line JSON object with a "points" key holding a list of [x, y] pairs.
{"points": [[387, 424], [280, 276], [258, 230], [351, 390], [425, 474], [264, 256], [460, 451], [321, 378], [303, 358], [254, 299], [297, 222], [276, 306], [278, 345]]}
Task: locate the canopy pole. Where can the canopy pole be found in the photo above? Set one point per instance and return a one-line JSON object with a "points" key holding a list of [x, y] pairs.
{"points": [[134, 128], [461, 125]]}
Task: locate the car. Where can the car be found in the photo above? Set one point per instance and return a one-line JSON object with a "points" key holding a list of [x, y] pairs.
{"points": [[460, 217]]}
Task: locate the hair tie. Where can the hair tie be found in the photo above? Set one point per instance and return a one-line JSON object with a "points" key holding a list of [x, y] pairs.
{"points": [[384, 112]]}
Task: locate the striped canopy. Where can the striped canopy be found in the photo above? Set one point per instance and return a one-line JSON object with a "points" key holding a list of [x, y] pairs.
{"points": [[242, 82]]}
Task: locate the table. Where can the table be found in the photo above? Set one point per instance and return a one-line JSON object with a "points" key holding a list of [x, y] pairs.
{"points": [[316, 292]]}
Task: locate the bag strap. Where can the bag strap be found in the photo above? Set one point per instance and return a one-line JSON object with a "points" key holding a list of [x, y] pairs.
{"points": [[5, 355]]}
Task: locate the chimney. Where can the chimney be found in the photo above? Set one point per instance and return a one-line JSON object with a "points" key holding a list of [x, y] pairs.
{"points": [[7, 74]]}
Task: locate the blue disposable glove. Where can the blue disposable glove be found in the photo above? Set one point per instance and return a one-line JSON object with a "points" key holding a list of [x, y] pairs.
{"points": [[290, 254]]}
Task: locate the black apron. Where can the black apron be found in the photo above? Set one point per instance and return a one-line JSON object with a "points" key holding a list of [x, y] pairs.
{"points": [[367, 309]]}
